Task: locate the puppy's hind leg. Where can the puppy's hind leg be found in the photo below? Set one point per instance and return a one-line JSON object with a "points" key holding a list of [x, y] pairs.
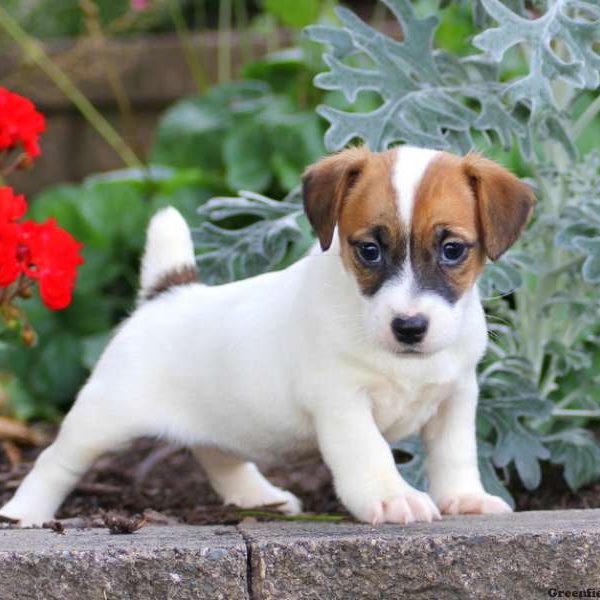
{"points": [[88, 431], [241, 483]]}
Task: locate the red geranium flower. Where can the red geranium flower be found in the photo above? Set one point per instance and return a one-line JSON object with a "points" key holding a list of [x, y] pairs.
{"points": [[39, 251], [51, 255], [12, 207], [9, 242], [20, 123]]}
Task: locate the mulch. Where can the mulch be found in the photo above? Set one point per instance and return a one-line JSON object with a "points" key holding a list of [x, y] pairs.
{"points": [[156, 483], [163, 484]]}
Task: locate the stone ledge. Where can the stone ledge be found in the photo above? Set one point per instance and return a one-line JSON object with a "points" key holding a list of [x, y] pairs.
{"points": [[156, 562], [521, 555]]}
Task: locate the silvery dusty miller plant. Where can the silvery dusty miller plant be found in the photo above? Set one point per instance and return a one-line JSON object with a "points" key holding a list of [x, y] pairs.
{"points": [[539, 387]]}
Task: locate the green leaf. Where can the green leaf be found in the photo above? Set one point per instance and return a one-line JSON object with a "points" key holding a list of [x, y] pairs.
{"points": [[567, 28], [58, 369], [296, 140], [434, 99], [63, 204], [246, 153], [500, 278], [508, 394], [414, 470], [591, 266], [294, 13], [578, 452], [22, 404], [424, 93], [489, 475], [191, 132], [93, 346], [274, 233]]}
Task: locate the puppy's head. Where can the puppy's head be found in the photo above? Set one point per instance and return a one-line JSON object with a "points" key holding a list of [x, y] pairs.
{"points": [[415, 227]]}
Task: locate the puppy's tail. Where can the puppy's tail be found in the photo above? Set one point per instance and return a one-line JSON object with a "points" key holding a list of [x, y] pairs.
{"points": [[169, 259]]}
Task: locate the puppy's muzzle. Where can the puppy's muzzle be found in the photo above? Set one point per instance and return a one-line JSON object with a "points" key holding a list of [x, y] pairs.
{"points": [[410, 330]]}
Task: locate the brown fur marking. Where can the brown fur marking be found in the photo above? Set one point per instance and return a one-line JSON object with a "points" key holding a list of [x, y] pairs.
{"points": [[325, 186], [370, 213], [470, 200], [445, 210], [505, 203], [176, 277]]}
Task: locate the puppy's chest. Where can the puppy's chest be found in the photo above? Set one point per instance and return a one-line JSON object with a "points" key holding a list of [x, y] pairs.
{"points": [[401, 410]]}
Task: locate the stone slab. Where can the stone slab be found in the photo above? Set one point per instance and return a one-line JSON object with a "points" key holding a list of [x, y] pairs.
{"points": [[524, 555], [155, 562]]}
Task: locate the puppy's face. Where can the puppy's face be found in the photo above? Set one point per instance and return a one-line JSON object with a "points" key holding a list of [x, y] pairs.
{"points": [[415, 227]]}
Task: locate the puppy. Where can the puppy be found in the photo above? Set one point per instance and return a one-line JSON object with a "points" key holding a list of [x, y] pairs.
{"points": [[373, 336]]}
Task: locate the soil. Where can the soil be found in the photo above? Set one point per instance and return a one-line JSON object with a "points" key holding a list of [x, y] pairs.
{"points": [[154, 482], [164, 484]]}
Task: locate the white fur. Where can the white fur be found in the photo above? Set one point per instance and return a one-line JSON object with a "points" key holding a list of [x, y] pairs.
{"points": [[409, 169], [401, 296], [270, 368], [168, 246]]}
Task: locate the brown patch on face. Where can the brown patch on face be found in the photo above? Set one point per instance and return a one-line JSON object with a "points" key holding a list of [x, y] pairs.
{"points": [[370, 214], [445, 211], [504, 202], [182, 276], [325, 186], [469, 201]]}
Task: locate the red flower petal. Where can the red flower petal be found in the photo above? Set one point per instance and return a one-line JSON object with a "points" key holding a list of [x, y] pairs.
{"points": [[9, 266], [20, 123], [54, 255], [12, 207]]}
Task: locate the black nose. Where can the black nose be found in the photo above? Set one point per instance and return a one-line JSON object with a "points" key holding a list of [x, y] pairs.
{"points": [[410, 330]]}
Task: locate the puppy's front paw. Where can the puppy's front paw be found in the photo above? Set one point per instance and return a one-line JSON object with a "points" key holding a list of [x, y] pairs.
{"points": [[407, 507], [473, 504]]}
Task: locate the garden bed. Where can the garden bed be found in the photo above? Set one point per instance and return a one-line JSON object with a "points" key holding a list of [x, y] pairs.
{"points": [[166, 485]]}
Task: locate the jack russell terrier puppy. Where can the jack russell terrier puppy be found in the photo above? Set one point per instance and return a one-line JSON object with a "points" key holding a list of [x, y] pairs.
{"points": [[373, 336]]}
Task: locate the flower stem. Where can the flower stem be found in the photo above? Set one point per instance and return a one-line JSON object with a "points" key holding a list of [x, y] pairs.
{"points": [[224, 41], [35, 53], [185, 38]]}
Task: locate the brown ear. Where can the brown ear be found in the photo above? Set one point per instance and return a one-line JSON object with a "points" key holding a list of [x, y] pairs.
{"points": [[504, 203], [324, 187]]}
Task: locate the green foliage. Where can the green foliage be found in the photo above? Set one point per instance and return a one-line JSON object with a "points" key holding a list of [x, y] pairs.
{"points": [[275, 238], [531, 92], [294, 13], [436, 99], [51, 19], [243, 135], [421, 91]]}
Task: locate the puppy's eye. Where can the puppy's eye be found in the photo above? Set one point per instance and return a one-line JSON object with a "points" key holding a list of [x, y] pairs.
{"points": [[369, 253], [451, 253]]}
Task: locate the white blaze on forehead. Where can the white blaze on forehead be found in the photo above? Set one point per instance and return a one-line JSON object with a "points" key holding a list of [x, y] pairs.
{"points": [[408, 171]]}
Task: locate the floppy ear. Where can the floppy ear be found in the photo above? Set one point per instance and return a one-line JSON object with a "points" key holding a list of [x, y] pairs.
{"points": [[324, 187], [504, 203]]}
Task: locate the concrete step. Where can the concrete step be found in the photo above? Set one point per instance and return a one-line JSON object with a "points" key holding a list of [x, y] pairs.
{"points": [[528, 555]]}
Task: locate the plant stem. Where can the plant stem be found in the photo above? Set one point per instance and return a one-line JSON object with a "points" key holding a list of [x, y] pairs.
{"points": [[224, 43], [283, 517], [241, 21], [586, 118], [64, 83], [185, 38], [98, 37], [573, 413]]}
